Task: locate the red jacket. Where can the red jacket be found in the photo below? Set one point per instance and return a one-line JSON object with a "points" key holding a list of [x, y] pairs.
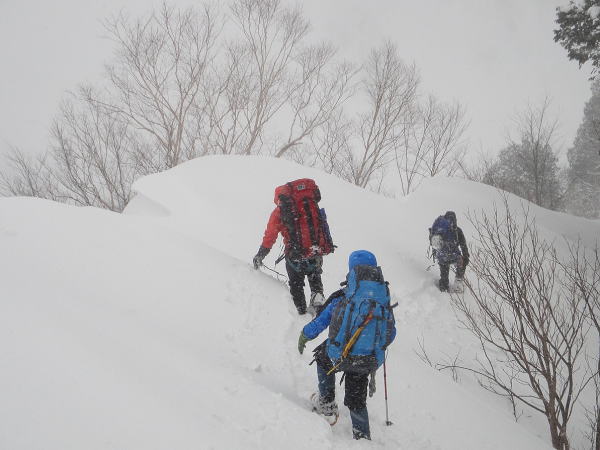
{"points": [[274, 227]]}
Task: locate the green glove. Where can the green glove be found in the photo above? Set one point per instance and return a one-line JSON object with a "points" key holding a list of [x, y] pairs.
{"points": [[302, 340]]}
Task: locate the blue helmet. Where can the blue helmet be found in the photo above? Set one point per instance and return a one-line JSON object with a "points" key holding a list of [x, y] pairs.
{"points": [[361, 257]]}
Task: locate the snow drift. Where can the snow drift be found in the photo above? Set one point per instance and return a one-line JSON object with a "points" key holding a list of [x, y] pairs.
{"points": [[150, 329]]}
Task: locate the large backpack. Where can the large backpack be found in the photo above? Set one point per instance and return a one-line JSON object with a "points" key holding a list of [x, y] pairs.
{"points": [[362, 323], [441, 227], [307, 226], [443, 240]]}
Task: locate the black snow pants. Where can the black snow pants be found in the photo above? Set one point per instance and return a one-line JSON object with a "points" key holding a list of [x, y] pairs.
{"points": [[355, 385], [445, 272], [297, 270]]}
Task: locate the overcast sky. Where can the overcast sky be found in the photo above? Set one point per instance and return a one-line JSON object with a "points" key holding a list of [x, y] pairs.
{"points": [[493, 56]]}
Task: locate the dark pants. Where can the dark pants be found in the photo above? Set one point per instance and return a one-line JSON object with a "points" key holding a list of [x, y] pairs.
{"points": [[355, 385], [445, 272], [297, 270], [355, 395]]}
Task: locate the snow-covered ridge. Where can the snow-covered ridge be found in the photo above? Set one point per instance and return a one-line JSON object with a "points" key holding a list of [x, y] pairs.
{"points": [[150, 330]]}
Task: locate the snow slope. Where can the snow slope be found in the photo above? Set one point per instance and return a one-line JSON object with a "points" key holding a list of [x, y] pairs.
{"points": [[150, 329]]}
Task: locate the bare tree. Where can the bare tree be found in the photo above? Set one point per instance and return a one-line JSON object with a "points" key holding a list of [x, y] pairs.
{"points": [[173, 96], [537, 130], [478, 168], [431, 142], [528, 167], [528, 319], [272, 38], [422, 140], [411, 152], [268, 81], [445, 136], [176, 90], [96, 156], [161, 63], [317, 95], [93, 159], [223, 112], [332, 143], [143, 122], [390, 86]]}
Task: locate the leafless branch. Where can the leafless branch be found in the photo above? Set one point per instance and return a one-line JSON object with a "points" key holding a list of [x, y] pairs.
{"points": [[527, 317]]}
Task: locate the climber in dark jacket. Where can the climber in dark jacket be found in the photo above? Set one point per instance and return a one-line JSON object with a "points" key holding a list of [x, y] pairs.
{"points": [[454, 251]]}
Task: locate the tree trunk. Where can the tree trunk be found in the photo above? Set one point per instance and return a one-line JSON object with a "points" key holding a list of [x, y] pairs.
{"points": [[558, 432], [597, 443], [597, 406], [554, 433]]}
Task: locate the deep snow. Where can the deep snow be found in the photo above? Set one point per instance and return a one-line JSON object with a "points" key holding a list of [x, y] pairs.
{"points": [[151, 330]]}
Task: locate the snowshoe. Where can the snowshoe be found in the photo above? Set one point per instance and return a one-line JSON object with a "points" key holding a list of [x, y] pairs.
{"points": [[328, 410]]}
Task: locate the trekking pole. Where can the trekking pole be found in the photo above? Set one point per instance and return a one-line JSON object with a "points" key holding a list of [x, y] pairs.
{"points": [[387, 417]]}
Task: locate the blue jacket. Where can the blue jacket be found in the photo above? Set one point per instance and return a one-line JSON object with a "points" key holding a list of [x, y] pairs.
{"points": [[312, 329]]}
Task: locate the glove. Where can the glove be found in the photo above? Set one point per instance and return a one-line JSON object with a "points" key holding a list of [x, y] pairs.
{"points": [[257, 261], [302, 340], [260, 255]]}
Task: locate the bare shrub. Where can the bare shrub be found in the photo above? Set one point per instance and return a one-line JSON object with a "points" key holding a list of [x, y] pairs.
{"points": [[529, 319], [26, 176], [583, 272], [93, 160]]}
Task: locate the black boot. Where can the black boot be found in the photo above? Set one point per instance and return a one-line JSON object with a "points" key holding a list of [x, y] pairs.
{"points": [[443, 285]]}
